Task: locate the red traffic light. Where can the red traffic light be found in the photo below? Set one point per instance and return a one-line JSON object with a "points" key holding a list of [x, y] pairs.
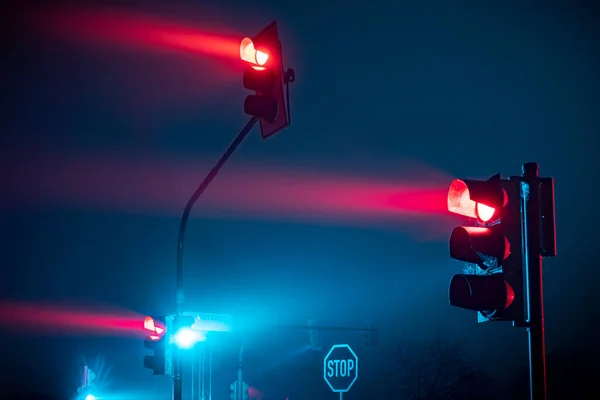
{"points": [[492, 240], [266, 77], [476, 199], [155, 330], [249, 54]]}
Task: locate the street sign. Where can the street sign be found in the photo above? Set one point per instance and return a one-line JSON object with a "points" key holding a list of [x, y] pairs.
{"points": [[340, 368]]}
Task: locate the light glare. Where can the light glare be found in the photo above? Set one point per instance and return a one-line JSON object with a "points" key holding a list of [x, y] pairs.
{"points": [[485, 213], [186, 338], [249, 54], [261, 57]]}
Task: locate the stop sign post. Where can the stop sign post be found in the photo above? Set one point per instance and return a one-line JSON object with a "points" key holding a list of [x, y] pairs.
{"points": [[340, 368]]}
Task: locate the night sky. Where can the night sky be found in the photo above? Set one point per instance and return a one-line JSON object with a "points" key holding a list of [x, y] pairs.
{"points": [[104, 139]]}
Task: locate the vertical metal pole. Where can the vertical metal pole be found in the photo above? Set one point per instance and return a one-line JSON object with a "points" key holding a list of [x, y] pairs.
{"points": [[209, 372], [196, 371], [240, 373], [177, 367], [239, 393], [534, 285], [203, 374]]}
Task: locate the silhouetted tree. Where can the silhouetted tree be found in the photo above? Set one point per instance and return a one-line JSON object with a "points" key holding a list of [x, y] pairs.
{"points": [[437, 369]]}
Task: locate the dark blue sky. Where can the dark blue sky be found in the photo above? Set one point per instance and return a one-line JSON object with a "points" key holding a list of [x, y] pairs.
{"points": [[470, 89]]}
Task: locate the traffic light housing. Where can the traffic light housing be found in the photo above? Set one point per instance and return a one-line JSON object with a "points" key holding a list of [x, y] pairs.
{"points": [[233, 391], [491, 243], [245, 388], [156, 342], [238, 391], [266, 77]]}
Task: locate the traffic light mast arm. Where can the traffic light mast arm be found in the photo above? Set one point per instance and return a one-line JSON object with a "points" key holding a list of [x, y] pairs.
{"points": [[190, 204], [179, 297], [324, 328]]}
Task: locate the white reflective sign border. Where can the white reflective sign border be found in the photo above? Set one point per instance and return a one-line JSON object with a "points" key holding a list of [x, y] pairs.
{"points": [[340, 368]]}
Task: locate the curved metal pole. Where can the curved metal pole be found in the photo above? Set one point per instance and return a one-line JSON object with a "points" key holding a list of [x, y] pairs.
{"points": [[179, 297]]}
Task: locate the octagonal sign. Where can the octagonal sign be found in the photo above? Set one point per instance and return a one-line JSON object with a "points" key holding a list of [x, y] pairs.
{"points": [[340, 368]]}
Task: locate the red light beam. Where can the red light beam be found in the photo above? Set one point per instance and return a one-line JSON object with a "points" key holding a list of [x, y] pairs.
{"points": [[160, 186], [45, 318], [119, 28]]}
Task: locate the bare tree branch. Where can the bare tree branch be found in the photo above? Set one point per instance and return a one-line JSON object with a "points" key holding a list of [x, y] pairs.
{"points": [[436, 369]]}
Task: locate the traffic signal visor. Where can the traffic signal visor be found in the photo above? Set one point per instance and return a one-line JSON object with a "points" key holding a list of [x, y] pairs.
{"points": [[476, 199], [256, 58], [475, 244], [483, 293], [156, 331]]}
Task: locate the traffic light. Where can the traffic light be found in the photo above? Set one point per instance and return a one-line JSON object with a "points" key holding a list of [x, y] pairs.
{"points": [[245, 391], [233, 391], [265, 76], [156, 342], [509, 228], [239, 388], [491, 243]]}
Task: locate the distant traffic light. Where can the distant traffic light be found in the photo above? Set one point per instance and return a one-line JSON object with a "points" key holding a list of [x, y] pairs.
{"points": [[238, 391], [245, 391], [265, 75], [233, 391], [156, 342], [491, 243]]}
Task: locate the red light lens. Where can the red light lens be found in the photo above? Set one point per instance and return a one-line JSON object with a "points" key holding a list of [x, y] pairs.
{"points": [[510, 295], [459, 202], [149, 325], [249, 54], [485, 213]]}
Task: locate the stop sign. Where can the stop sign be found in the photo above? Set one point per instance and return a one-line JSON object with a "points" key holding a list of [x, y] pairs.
{"points": [[340, 368]]}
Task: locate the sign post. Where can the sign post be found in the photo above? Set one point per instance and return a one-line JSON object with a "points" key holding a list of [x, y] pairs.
{"points": [[340, 368]]}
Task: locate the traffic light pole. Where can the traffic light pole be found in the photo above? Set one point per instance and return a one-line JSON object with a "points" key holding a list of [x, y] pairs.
{"points": [[179, 297], [240, 370], [534, 285], [196, 372]]}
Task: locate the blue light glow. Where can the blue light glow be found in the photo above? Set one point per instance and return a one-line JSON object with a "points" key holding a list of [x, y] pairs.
{"points": [[186, 338]]}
